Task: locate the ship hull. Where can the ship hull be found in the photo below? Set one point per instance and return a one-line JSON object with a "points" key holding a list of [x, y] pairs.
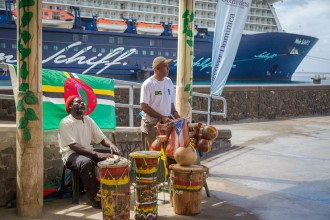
{"points": [[265, 56]]}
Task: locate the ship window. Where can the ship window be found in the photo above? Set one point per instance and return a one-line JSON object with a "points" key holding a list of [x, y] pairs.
{"points": [[75, 37], [174, 54], [102, 50], [159, 53], [152, 52], [136, 51], [144, 52], [85, 38], [111, 50], [167, 54], [46, 13], [152, 42], [111, 40], [75, 49], [45, 47], [55, 47], [14, 46], [120, 40], [3, 45], [94, 50]]}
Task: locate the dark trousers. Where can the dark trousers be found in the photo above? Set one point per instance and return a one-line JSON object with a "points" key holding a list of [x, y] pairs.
{"points": [[86, 168]]}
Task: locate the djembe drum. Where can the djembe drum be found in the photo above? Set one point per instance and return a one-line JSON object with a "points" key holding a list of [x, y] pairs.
{"points": [[115, 188], [146, 194], [187, 183]]}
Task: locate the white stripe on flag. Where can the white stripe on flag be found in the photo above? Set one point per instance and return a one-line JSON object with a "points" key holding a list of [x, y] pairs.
{"points": [[61, 101]]}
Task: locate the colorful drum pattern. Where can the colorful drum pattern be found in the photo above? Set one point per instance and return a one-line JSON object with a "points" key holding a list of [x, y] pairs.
{"points": [[187, 183], [115, 188], [146, 164]]}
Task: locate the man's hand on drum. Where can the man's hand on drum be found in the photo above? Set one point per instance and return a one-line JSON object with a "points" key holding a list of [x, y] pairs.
{"points": [[114, 149], [103, 156]]}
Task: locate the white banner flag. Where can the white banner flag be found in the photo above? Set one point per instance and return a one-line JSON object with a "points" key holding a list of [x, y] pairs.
{"points": [[229, 24]]}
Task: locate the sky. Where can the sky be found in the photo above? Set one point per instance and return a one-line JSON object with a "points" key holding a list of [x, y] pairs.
{"points": [[308, 17]]}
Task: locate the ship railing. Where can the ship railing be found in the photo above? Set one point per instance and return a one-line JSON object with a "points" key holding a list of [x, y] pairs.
{"points": [[131, 106]]}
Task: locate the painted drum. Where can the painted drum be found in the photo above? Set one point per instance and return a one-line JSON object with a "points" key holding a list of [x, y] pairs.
{"points": [[187, 183], [115, 188], [146, 194]]}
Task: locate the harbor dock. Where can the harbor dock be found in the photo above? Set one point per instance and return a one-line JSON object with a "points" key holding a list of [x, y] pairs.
{"points": [[276, 169]]}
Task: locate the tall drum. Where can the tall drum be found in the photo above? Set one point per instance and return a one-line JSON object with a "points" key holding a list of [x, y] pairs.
{"points": [[146, 164], [187, 183], [115, 188]]}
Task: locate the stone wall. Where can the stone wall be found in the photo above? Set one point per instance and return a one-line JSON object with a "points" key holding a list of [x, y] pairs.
{"points": [[268, 102], [127, 139], [250, 103]]}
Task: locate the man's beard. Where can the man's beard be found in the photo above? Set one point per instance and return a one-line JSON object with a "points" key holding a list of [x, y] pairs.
{"points": [[79, 111]]}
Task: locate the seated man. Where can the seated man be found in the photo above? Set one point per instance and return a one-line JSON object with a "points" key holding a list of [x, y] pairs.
{"points": [[76, 133]]}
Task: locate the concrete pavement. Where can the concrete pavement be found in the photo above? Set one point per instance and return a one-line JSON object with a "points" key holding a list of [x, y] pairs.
{"points": [[274, 170]]}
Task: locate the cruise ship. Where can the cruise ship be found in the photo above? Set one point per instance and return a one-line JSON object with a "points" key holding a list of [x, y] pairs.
{"points": [[120, 38]]}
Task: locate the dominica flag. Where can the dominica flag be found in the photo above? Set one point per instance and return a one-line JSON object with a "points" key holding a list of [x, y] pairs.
{"points": [[97, 92]]}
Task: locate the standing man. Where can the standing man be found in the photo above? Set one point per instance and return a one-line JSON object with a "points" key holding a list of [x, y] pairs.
{"points": [[157, 100], [76, 134]]}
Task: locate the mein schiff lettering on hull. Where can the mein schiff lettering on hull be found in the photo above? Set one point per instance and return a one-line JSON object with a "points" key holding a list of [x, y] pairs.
{"points": [[119, 39]]}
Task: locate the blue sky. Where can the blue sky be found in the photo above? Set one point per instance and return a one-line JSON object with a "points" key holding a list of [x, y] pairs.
{"points": [[308, 17]]}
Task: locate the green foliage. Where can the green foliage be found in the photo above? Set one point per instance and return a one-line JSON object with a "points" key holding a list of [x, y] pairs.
{"points": [[20, 106], [190, 101], [26, 3], [30, 115], [26, 134], [24, 71], [26, 36], [187, 88], [188, 18], [25, 52], [185, 14], [192, 16], [26, 97], [22, 123], [26, 18], [23, 87], [190, 43], [30, 98]]}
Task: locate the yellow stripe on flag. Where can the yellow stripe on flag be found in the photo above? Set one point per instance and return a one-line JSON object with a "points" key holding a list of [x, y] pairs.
{"points": [[67, 74], [46, 88]]}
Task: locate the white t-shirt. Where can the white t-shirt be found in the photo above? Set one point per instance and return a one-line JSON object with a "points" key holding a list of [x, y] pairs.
{"points": [[72, 131], [159, 95]]}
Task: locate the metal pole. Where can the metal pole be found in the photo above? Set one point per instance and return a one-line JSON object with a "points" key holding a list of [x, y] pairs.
{"points": [[131, 110]]}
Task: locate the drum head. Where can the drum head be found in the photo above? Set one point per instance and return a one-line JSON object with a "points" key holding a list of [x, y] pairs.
{"points": [[115, 161], [145, 154], [187, 169]]}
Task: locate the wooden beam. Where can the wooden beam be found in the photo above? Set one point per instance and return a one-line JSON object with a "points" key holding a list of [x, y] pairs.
{"points": [[185, 57], [29, 134]]}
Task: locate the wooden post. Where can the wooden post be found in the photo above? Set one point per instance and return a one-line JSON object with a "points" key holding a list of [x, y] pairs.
{"points": [[29, 133], [185, 57]]}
